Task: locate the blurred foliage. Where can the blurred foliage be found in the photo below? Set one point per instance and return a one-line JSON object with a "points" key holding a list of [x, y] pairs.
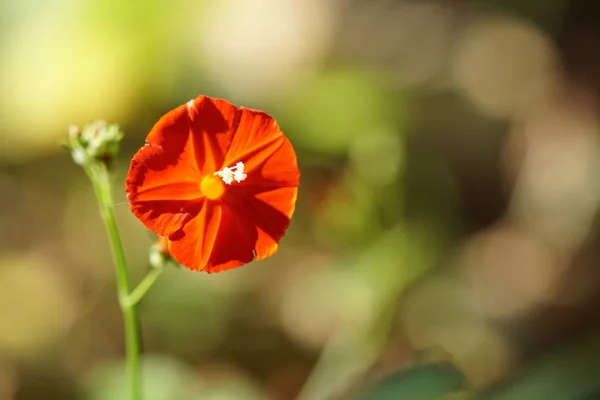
{"points": [[165, 379], [566, 373], [449, 158], [419, 383], [356, 105]]}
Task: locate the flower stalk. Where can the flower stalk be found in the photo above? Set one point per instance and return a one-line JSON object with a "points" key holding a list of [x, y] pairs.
{"points": [[99, 176], [93, 149]]}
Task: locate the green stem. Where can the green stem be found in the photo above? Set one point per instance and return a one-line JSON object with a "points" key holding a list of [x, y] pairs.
{"points": [[142, 288], [99, 176]]}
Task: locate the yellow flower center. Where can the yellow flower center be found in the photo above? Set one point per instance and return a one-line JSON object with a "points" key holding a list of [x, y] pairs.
{"points": [[212, 187]]}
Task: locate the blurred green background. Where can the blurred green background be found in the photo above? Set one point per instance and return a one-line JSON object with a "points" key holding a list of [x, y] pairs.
{"points": [[450, 184]]}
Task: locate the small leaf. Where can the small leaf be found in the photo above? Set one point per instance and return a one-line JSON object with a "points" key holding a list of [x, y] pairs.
{"points": [[570, 372], [424, 382]]}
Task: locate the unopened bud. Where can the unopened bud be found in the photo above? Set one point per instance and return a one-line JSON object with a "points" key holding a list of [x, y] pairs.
{"points": [[101, 140], [159, 253]]}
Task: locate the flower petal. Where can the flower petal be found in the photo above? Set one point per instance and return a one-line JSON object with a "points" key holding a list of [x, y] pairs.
{"points": [[170, 139], [164, 176], [213, 123], [270, 210], [162, 194], [254, 220], [267, 154], [246, 227], [235, 241], [193, 244], [153, 175]]}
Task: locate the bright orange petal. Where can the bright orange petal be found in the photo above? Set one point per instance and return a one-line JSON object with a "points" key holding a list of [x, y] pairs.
{"points": [[213, 123], [234, 244], [162, 194], [254, 220], [170, 138], [199, 133], [165, 217], [154, 175], [268, 156], [192, 245], [271, 210], [163, 184]]}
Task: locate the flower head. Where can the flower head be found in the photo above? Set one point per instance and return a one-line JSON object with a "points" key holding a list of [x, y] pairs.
{"points": [[98, 141], [219, 182]]}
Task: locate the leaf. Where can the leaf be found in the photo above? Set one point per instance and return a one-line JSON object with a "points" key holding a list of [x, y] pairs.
{"points": [[424, 382], [568, 373]]}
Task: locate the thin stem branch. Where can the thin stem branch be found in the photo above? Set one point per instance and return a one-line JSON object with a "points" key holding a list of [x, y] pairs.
{"points": [[99, 176], [142, 288]]}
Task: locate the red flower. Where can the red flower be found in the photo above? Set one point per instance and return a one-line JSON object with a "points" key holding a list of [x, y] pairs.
{"points": [[219, 182]]}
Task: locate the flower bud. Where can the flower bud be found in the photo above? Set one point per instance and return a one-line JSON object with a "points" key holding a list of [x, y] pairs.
{"points": [[159, 253], [97, 141]]}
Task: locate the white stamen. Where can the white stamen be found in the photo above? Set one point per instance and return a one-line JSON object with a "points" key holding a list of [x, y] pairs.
{"points": [[239, 174], [228, 175]]}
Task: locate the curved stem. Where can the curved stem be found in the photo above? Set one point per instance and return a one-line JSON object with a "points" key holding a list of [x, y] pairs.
{"points": [[99, 176]]}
